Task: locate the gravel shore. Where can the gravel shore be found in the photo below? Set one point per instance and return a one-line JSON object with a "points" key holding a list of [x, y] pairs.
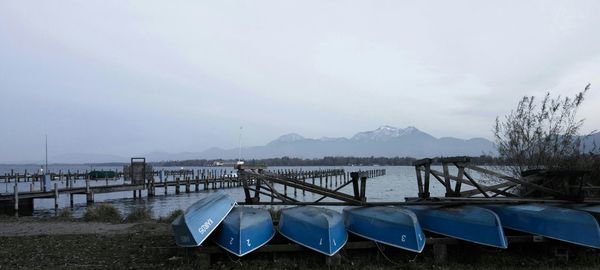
{"points": [[34, 243]]}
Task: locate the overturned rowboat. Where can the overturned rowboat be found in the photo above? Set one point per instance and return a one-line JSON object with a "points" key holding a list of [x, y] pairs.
{"points": [[319, 229], [201, 219], [469, 223], [392, 226], [568, 225], [244, 230]]}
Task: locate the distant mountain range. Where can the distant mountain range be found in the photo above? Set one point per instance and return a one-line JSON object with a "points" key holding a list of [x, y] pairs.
{"points": [[384, 141]]}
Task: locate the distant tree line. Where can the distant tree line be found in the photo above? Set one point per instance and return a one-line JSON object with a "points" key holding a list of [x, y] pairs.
{"points": [[325, 161]]}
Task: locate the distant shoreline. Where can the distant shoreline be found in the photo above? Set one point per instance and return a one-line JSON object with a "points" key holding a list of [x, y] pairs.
{"points": [[278, 162]]}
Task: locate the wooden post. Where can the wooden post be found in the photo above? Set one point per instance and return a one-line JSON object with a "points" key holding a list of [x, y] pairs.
{"points": [[89, 196], [177, 185], [295, 189], [151, 188], [457, 186], [205, 178], [449, 192], [55, 196], [272, 195], [355, 177], [16, 194], [363, 188], [71, 199], [426, 183], [187, 185], [419, 181], [303, 190]]}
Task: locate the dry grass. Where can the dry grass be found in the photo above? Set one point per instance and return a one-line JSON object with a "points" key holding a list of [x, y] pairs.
{"points": [[103, 213], [139, 214], [172, 216]]}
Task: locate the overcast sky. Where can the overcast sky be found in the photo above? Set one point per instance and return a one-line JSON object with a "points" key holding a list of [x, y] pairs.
{"points": [[128, 77]]}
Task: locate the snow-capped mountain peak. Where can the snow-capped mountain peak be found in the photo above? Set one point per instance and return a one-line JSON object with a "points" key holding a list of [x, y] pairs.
{"points": [[384, 133], [287, 138]]}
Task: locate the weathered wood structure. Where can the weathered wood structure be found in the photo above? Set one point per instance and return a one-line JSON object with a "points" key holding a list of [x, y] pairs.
{"points": [[532, 186], [257, 181]]}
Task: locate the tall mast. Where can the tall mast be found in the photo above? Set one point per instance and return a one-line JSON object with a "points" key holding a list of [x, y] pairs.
{"points": [[46, 154], [240, 149]]}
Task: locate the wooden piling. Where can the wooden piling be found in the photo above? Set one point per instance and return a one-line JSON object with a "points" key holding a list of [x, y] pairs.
{"points": [[89, 195], [16, 192], [363, 189], [55, 196], [151, 188]]}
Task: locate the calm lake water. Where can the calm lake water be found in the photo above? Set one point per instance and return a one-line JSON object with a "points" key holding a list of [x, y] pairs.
{"points": [[398, 183]]}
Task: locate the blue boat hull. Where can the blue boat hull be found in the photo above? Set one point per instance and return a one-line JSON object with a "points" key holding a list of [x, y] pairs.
{"points": [[319, 229], [244, 230], [468, 223], [590, 208], [568, 225], [388, 225], [201, 219]]}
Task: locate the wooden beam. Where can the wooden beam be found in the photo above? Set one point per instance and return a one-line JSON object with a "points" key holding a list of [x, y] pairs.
{"points": [[340, 187], [514, 180], [469, 192], [422, 162]]}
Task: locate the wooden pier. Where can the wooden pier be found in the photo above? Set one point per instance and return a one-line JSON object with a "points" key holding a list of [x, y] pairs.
{"points": [[19, 202]]}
